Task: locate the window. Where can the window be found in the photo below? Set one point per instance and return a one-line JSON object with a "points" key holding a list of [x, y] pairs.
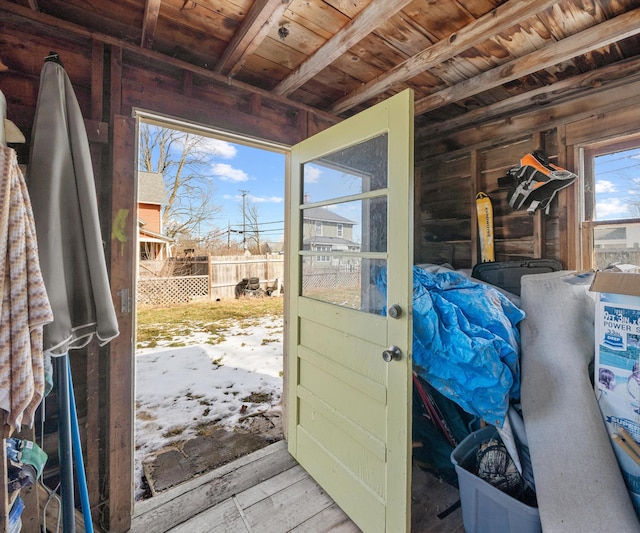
{"points": [[339, 231], [611, 231], [323, 258], [318, 227]]}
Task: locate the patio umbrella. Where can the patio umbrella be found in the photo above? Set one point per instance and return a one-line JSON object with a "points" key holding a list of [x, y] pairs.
{"points": [[61, 184]]}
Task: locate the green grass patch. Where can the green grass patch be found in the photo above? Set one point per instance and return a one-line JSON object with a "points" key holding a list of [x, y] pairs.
{"points": [[206, 312], [258, 397], [156, 324], [205, 429], [174, 432]]}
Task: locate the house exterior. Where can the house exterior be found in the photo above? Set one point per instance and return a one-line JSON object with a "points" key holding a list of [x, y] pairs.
{"points": [[327, 231], [617, 243], [152, 243]]}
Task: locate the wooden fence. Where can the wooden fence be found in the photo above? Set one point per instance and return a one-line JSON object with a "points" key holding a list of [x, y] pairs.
{"points": [[331, 278], [603, 257], [179, 280]]}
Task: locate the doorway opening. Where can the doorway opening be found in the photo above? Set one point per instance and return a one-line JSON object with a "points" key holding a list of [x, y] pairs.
{"points": [[209, 358]]}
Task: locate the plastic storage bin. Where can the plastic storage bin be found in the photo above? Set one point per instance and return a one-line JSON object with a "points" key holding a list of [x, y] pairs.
{"points": [[485, 509]]}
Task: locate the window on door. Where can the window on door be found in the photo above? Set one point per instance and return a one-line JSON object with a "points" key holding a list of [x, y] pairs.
{"points": [[611, 231]]}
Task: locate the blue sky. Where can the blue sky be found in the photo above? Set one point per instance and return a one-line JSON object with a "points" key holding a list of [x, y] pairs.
{"points": [[260, 173], [323, 183], [617, 184]]}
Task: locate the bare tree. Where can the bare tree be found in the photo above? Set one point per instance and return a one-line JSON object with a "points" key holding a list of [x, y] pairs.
{"points": [[253, 227], [181, 158]]}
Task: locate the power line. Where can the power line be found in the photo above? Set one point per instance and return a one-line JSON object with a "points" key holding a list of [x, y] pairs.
{"points": [[262, 223]]}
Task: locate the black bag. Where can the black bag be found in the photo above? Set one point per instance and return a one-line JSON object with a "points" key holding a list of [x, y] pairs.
{"points": [[507, 274]]}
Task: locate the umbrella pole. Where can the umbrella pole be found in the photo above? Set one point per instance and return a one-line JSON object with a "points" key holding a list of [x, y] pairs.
{"points": [[65, 454], [79, 460]]}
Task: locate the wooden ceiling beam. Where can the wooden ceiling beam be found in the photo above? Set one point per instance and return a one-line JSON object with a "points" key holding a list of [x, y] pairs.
{"points": [[605, 33], [604, 78], [589, 105], [503, 16], [253, 30], [353, 32], [18, 12], [151, 12]]}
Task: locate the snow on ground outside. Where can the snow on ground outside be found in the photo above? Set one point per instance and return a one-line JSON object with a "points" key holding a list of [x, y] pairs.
{"points": [[181, 389]]}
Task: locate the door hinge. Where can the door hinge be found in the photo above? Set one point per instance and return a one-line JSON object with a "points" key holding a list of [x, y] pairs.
{"points": [[125, 300]]}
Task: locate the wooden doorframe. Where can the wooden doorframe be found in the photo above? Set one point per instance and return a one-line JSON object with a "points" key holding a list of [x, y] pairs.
{"points": [[120, 378], [120, 365]]}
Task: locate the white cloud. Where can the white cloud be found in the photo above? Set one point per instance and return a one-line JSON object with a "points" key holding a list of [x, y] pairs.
{"points": [[206, 146], [255, 199], [266, 199], [604, 186], [228, 173], [217, 147], [611, 208], [311, 173]]}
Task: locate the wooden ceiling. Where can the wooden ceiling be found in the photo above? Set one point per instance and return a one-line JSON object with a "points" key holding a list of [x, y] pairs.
{"points": [[466, 60]]}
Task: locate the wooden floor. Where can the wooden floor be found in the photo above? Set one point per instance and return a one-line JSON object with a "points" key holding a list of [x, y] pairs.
{"points": [[268, 492]]}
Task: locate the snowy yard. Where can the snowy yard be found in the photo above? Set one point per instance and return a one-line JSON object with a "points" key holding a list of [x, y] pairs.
{"points": [[188, 383]]}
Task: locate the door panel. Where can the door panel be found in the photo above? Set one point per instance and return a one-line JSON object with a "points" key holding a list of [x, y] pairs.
{"points": [[351, 226]]}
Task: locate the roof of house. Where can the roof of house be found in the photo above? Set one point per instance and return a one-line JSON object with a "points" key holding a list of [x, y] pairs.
{"points": [[321, 240], [151, 188], [274, 246], [604, 234], [148, 235], [324, 214]]}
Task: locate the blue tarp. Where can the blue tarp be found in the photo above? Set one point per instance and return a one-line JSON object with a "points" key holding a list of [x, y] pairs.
{"points": [[465, 341]]}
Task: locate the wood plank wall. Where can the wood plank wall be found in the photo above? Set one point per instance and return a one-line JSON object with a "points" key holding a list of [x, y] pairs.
{"points": [[451, 167]]}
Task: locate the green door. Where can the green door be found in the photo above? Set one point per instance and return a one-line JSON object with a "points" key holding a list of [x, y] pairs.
{"points": [[349, 393]]}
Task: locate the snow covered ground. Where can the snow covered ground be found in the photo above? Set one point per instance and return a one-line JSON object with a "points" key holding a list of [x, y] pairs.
{"points": [[182, 390]]}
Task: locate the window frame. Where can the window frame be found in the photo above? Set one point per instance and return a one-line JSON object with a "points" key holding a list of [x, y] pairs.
{"points": [[589, 224]]}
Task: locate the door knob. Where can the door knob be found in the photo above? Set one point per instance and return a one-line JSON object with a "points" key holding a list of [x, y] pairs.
{"points": [[391, 353], [395, 311]]}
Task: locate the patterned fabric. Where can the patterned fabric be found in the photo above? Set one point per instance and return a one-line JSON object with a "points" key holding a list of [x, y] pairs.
{"points": [[25, 305]]}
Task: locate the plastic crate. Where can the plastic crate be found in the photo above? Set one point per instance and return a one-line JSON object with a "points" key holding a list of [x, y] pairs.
{"points": [[486, 509]]}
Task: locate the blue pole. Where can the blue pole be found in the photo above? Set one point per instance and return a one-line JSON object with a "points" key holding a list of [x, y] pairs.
{"points": [[65, 455], [77, 452]]}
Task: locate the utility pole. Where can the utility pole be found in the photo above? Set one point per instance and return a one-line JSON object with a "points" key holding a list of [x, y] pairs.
{"points": [[244, 220]]}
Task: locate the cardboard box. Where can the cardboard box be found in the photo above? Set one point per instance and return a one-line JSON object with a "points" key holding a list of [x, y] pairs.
{"points": [[617, 363]]}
